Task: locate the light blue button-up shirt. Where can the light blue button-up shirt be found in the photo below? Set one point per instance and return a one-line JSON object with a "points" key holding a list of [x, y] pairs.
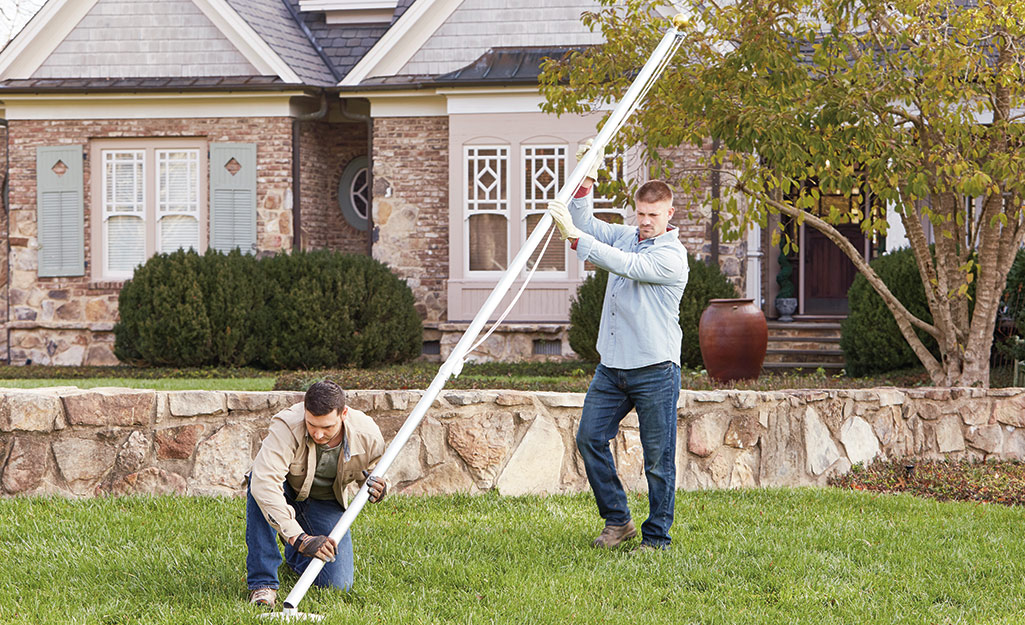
{"points": [[640, 319]]}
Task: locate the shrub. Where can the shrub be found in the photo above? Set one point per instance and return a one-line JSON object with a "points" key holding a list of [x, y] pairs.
{"points": [[329, 310], [163, 319], [704, 283], [870, 339], [1014, 301], [585, 315], [232, 291], [301, 310]]}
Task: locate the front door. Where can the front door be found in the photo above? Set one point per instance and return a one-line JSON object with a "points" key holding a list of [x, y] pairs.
{"points": [[826, 272]]}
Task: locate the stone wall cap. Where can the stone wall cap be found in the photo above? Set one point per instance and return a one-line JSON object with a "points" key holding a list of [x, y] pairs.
{"points": [[41, 390], [92, 326], [505, 327]]}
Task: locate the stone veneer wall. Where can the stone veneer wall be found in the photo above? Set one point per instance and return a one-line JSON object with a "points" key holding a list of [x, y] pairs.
{"points": [[68, 320], [411, 206], [115, 441], [694, 216]]}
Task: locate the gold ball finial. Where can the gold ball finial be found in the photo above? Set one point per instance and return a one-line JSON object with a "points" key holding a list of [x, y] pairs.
{"points": [[681, 21]]}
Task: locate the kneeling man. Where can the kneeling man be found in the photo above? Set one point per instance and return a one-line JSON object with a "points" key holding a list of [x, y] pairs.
{"points": [[297, 485]]}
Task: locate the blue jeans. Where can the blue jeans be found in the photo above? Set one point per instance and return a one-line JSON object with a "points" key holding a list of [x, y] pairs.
{"points": [[653, 391], [317, 517]]}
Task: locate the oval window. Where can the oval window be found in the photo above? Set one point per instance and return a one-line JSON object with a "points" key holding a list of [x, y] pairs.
{"points": [[354, 193]]}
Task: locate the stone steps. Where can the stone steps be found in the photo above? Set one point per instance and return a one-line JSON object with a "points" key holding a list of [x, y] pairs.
{"points": [[804, 344]]}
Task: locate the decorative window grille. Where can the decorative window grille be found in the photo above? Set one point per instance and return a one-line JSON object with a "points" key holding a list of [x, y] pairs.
{"points": [[487, 207], [178, 199], [358, 194], [605, 208], [124, 210], [544, 173]]}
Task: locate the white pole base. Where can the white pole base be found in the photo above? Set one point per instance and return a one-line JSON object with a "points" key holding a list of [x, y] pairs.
{"points": [[292, 615]]}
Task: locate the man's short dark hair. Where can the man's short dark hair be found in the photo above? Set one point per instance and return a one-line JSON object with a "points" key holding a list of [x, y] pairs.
{"points": [[323, 397], [654, 191]]}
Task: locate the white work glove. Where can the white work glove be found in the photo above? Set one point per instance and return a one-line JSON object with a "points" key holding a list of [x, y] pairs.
{"points": [[563, 220], [592, 173]]}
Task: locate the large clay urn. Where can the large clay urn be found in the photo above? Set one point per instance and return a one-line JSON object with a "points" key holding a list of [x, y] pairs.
{"points": [[733, 337]]}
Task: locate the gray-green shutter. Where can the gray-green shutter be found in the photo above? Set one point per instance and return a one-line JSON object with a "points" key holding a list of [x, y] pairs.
{"points": [[59, 206], [233, 197]]}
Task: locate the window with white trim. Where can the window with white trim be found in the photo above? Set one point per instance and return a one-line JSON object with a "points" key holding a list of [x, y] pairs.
{"points": [[149, 197], [487, 207], [544, 173], [605, 207]]}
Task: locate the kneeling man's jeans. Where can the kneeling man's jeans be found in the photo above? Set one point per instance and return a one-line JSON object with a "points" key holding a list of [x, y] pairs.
{"points": [[317, 517], [654, 391]]}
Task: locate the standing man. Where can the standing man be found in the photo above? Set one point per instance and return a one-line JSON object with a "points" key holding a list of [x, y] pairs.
{"points": [[297, 485], [639, 343]]}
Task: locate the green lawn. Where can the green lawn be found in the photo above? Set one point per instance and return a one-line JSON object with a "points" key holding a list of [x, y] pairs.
{"points": [[762, 556], [163, 384]]}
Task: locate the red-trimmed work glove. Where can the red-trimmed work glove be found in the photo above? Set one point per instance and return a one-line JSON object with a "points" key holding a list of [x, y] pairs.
{"points": [[376, 486], [322, 547]]}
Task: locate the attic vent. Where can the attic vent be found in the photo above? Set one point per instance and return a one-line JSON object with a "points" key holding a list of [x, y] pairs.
{"points": [[233, 166], [545, 347], [352, 11], [59, 168]]}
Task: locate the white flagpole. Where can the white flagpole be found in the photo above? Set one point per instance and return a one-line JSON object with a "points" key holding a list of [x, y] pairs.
{"points": [[454, 363]]}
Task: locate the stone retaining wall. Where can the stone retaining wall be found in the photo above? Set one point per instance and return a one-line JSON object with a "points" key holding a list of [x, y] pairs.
{"points": [[72, 442]]}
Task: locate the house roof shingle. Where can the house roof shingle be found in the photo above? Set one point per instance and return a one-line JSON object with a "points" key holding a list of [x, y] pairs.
{"points": [[272, 20], [199, 83], [505, 66], [346, 44]]}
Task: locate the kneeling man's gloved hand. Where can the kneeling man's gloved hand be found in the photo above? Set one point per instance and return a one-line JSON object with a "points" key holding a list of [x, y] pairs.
{"points": [[377, 487], [322, 547], [563, 220]]}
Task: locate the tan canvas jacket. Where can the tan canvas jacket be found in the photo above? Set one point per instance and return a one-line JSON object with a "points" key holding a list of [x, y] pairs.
{"points": [[288, 453]]}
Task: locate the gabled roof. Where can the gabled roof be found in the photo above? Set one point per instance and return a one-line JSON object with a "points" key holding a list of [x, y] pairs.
{"points": [[50, 26], [274, 35], [438, 37]]}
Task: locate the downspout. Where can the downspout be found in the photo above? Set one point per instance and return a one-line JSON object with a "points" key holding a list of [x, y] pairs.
{"points": [[356, 117], [297, 168], [7, 225], [296, 152], [714, 226]]}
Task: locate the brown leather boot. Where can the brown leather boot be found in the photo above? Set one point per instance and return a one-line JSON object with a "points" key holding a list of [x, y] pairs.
{"points": [[263, 596], [613, 535]]}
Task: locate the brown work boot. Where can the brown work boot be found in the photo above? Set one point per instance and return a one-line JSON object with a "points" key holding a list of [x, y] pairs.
{"points": [[613, 535], [263, 596], [648, 548]]}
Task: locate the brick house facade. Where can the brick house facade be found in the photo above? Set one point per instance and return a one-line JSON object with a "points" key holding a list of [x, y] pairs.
{"points": [[405, 96]]}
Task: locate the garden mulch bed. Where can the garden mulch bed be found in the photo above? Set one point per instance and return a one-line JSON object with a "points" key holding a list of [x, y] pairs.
{"points": [[961, 480]]}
